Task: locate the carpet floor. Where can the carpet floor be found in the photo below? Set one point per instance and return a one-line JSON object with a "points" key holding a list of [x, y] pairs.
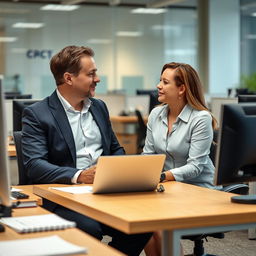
{"points": [[235, 243]]}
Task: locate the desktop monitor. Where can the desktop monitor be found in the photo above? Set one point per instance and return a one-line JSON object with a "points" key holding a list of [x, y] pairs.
{"points": [[17, 108], [17, 95], [5, 201], [236, 151], [246, 98], [11, 95], [153, 97]]}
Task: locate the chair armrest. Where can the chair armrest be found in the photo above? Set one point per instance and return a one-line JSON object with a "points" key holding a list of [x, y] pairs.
{"points": [[241, 189]]}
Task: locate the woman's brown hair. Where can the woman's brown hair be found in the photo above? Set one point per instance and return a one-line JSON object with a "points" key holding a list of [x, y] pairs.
{"points": [[187, 76]]}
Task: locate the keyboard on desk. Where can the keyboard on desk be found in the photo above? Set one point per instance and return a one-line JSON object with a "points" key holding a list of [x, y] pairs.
{"points": [[19, 195]]}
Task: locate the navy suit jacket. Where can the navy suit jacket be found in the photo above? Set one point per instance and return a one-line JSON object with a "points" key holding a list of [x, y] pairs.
{"points": [[47, 140]]}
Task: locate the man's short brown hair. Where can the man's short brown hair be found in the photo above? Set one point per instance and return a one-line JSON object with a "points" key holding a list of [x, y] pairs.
{"points": [[68, 60]]}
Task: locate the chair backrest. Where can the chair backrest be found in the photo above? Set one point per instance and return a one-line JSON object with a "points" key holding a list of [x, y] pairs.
{"points": [[23, 179], [214, 146], [141, 131]]}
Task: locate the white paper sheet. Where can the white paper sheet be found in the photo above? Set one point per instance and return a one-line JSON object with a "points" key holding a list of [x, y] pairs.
{"points": [[75, 189], [15, 189], [49, 245]]}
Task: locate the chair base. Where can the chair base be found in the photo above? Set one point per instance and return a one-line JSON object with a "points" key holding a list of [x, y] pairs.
{"points": [[199, 243]]}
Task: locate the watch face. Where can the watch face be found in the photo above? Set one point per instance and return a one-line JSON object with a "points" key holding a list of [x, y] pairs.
{"points": [[163, 176]]}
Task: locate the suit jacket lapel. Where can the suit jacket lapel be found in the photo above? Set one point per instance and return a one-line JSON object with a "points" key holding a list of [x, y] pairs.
{"points": [[63, 123]]}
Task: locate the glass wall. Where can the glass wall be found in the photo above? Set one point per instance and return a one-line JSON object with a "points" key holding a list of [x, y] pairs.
{"points": [[130, 49], [248, 37]]}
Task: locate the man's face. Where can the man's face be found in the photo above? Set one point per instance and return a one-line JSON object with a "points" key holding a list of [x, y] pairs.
{"points": [[86, 80]]}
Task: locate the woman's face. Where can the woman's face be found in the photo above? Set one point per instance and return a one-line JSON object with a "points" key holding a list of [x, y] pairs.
{"points": [[168, 92]]}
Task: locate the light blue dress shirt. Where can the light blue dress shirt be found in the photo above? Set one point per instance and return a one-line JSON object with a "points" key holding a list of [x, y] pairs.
{"points": [[186, 147], [86, 134]]}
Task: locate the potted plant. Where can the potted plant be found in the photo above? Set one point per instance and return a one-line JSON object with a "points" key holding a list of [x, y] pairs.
{"points": [[249, 82]]}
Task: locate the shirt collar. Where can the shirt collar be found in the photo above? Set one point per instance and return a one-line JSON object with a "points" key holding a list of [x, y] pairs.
{"points": [[66, 105], [184, 114]]}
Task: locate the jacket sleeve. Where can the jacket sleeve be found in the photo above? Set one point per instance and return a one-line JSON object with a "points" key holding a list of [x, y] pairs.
{"points": [[35, 145]]}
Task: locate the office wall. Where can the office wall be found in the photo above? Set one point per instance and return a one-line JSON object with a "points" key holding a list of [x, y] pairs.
{"points": [[248, 36], [180, 36], [224, 48], [163, 38]]}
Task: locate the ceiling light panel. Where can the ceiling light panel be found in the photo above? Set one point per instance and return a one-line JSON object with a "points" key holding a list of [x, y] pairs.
{"points": [[8, 39], [27, 25], [129, 33], [59, 7], [148, 10], [98, 41]]}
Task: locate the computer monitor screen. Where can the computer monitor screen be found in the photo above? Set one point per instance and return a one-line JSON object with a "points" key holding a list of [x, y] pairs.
{"points": [[5, 201], [246, 98], [16, 95], [17, 108], [236, 150], [11, 95], [153, 97]]}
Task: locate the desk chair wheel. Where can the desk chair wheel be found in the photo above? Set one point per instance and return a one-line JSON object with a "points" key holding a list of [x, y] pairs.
{"points": [[198, 240]]}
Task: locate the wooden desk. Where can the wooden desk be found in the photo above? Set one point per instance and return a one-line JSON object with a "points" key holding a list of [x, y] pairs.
{"points": [[73, 235], [11, 150], [181, 210]]}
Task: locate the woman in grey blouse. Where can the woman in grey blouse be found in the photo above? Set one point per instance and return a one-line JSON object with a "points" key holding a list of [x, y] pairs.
{"points": [[182, 129]]}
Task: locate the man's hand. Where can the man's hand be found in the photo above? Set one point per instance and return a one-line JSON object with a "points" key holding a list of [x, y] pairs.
{"points": [[87, 175]]}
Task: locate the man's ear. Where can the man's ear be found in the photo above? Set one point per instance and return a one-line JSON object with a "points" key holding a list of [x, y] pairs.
{"points": [[67, 78]]}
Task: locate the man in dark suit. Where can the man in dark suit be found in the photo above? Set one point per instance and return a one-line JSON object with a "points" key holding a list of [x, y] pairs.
{"points": [[64, 134]]}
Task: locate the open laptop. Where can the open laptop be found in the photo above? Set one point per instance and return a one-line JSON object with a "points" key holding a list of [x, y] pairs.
{"points": [[128, 173]]}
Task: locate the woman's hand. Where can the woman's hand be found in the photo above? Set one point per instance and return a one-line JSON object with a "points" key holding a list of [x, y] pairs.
{"points": [[169, 176]]}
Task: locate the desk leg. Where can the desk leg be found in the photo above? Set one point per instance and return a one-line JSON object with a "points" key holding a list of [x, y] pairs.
{"points": [[252, 190], [170, 243]]}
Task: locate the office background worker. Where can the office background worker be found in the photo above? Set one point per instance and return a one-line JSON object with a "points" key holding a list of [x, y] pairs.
{"points": [[64, 134]]}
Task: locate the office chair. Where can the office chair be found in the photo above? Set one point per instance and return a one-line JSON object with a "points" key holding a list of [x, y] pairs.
{"points": [[23, 179], [241, 189], [141, 132]]}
